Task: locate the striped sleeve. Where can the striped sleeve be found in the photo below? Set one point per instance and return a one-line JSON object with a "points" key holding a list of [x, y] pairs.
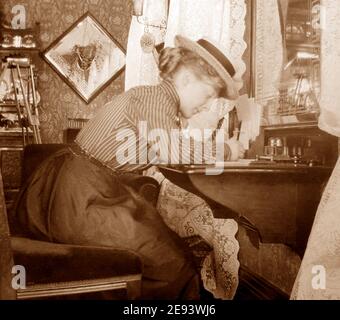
{"points": [[138, 128]]}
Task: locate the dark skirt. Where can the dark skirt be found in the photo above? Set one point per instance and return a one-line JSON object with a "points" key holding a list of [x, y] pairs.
{"points": [[69, 199]]}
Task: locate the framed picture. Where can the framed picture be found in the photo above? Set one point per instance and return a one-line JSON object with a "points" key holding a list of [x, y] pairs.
{"points": [[86, 57]]}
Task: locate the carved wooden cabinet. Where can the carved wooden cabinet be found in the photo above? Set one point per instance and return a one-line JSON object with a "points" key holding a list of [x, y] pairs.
{"points": [[18, 47], [10, 160]]}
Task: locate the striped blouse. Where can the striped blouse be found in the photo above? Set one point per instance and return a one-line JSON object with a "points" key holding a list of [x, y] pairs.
{"points": [[138, 128]]}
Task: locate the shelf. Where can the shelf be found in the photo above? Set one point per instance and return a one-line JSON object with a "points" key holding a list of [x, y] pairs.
{"points": [[20, 40], [8, 104], [11, 49], [301, 125], [10, 108], [13, 131], [21, 32], [297, 43]]}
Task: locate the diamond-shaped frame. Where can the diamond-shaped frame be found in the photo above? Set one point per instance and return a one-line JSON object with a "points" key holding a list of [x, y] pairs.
{"points": [[86, 57]]}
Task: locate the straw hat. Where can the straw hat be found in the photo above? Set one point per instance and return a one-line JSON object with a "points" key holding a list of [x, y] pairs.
{"points": [[216, 58]]}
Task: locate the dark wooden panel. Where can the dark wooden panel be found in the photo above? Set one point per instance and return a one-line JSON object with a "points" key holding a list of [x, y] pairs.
{"points": [[277, 202], [267, 201], [11, 169], [6, 259], [253, 287], [11, 145]]}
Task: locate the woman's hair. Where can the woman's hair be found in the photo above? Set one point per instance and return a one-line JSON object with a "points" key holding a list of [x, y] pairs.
{"points": [[172, 59]]}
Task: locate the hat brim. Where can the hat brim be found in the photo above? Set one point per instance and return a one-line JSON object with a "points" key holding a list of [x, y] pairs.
{"points": [[231, 91]]}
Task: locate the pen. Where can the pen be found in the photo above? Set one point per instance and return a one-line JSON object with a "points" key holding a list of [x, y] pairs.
{"points": [[237, 131]]}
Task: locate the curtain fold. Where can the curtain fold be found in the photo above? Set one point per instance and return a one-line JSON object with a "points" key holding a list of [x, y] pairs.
{"points": [[268, 53], [329, 120], [319, 274], [221, 21], [141, 67]]}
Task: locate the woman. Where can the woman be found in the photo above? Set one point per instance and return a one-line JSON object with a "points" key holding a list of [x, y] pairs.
{"points": [[78, 196], [213, 241]]}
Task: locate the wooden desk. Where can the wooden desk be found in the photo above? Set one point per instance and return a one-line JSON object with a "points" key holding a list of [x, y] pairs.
{"points": [[275, 202]]}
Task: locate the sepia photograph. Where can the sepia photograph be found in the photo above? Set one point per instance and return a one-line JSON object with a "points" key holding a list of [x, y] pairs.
{"points": [[177, 151]]}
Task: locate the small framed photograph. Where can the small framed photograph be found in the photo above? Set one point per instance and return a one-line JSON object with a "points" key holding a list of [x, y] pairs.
{"points": [[86, 57]]}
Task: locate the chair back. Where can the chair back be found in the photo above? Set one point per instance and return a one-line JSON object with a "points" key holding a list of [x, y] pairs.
{"points": [[61, 269], [34, 155]]}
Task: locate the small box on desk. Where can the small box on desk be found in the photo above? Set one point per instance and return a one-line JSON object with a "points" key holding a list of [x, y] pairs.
{"points": [[303, 142]]}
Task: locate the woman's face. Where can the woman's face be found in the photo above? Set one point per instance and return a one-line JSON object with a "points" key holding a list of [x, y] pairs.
{"points": [[195, 95]]}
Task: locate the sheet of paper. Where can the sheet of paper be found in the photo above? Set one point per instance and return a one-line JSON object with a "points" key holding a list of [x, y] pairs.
{"points": [[250, 114], [240, 162]]}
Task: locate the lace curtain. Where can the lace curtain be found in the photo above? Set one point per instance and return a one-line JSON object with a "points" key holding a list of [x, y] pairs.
{"points": [[189, 215], [269, 52], [141, 68], [222, 21], [319, 274], [329, 120]]}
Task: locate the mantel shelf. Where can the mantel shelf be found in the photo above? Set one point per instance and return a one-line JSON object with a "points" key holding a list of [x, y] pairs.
{"points": [[11, 49], [8, 104]]}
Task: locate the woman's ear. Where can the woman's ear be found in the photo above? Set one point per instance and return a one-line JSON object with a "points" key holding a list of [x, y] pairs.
{"points": [[186, 78], [183, 77]]}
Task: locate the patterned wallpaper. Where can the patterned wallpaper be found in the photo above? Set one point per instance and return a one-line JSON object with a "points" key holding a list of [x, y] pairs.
{"points": [[59, 101]]}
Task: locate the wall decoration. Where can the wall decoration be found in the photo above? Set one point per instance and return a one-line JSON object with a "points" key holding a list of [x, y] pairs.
{"points": [[86, 57]]}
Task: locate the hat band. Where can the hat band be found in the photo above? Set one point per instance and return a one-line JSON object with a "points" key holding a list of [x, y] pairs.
{"points": [[219, 56]]}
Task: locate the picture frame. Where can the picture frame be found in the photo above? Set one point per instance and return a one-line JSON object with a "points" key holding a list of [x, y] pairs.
{"points": [[86, 57]]}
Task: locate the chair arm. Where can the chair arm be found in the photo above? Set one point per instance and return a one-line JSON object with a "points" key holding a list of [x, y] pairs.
{"points": [[47, 262]]}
